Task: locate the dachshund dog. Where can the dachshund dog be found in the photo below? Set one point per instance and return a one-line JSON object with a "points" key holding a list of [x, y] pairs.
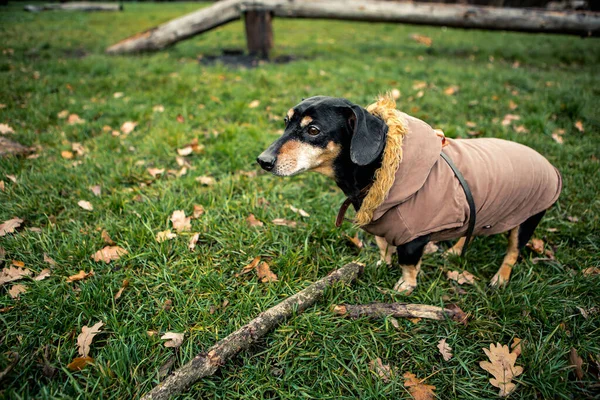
{"points": [[402, 177]]}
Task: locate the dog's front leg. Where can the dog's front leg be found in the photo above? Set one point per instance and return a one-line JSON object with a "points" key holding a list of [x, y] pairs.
{"points": [[409, 258], [385, 250]]}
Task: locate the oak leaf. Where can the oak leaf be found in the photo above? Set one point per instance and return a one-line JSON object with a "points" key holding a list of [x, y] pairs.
{"points": [[109, 253], [180, 222], [49, 260], [9, 226], [16, 290], [12, 273], [85, 338], [80, 276], [264, 273], [417, 389], [173, 339], [461, 278], [445, 349], [382, 370], [42, 275], [502, 367]]}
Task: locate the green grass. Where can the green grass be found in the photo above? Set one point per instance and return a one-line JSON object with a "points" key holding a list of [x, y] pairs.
{"points": [[316, 354]]}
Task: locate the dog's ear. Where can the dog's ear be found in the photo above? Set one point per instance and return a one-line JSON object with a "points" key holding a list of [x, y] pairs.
{"points": [[368, 137]]}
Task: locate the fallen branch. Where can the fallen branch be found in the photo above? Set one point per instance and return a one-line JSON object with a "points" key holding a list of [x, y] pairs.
{"points": [[205, 364], [400, 310], [75, 6]]}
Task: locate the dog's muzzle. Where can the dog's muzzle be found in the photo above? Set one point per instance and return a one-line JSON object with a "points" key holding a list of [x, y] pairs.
{"points": [[266, 160]]}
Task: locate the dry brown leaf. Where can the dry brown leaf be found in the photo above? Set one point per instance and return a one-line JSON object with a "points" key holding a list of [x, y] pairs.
{"points": [[521, 129], [422, 39], [253, 221], [9, 226], [516, 346], [418, 85], [471, 124], [536, 245], [74, 119], [451, 90], [445, 349], [355, 241], [85, 338], [576, 363], [80, 276], [461, 278], [418, 389], [557, 138], [79, 363], [206, 180], [382, 370], [395, 93], [158, 108], [254, 104], [12, 178], [123, 287], [180, 222], [109, 253], [570, 218], [180, 118], [16, 290], [106, 238], [591, 271], [68, 155], [11, 273], [118, 95], [250, 267], [299, 211], [151, 333], [78, 148], [49, 260], [42, 275], [512, 105], [96, 190], [155, 171], [502, 367], [193, 241], [185, 151], [509, 118], [264, 273], [128, 127], [165, 235], [284, 222], [5, 129], [579, 126], [86, 205], [18, 264], [173, 339], [198, 211], [2, 186]]}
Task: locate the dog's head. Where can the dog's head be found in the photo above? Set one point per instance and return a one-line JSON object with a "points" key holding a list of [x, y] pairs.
{"points": [[321, 131]]}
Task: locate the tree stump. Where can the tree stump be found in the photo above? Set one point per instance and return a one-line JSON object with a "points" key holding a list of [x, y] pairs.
{"points": [[259, 32]]}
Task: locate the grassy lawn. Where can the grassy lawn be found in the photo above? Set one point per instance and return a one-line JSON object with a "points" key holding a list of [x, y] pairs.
{"points": [[54, 61]]}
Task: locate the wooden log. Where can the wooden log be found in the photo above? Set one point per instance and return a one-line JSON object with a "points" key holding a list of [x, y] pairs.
{"points": [[75, 6], [205, 364], [259, 32], [400, 310], [179, 29]]}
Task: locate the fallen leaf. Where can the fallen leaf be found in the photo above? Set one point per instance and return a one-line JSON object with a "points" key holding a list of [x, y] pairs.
{"points": [[185, 151], [78, 148], [67, 154], [579, 126], [151, 333], [198, 211], [5, 129], [173, 339], [193, 241], [85, 338], [521, 129], [395, 94], [299, 211], [2, 185], [253, 221], [79, 363], [576, 363], [96, 190], [415, 320], [445, 349], [109, 253], [418, 85], [502, 367], [461, 278], [180, 222], [49, 260], [250, 267], [42, 275], [284, 222], [80, 276], [180, 119], [165, 235], [264, 273], [382, 370], [74, 119], [557, 138], [16, 290], [168, 304], [451, 90], [422, 39], [124, 285], [12, 178], [155, 171], [106, 238], [509, 118], [254, 104], [512, 105], [86, 205], [516, 346], [536, 245], [206, 180], [355, 241], [417, 389], [570, 218], [471, 124], [158, 108], [591, 271], [128, 127], [9, 226]]}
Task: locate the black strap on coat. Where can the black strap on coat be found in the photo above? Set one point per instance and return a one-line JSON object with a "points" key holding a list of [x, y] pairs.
{"points": [[469, 195]]}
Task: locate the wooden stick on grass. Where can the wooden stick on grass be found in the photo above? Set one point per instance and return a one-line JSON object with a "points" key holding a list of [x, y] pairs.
{"points": [[205, 364], [400, 310]]}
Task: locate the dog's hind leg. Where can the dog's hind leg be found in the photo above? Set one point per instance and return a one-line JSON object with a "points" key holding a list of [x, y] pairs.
{"points": [[517, 239], [409, 258], [457, 248], [385, 250]]}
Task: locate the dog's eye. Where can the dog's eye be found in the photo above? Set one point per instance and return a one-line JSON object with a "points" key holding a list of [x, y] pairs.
{"points": [[313, 130], [286, 121]]}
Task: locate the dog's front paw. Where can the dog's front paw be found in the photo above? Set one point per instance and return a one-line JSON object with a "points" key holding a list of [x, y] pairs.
{"points": [[498, 280], [404, 287]]}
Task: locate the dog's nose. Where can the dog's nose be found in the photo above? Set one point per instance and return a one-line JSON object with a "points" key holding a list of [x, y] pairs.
{"points": [[266, 161]]}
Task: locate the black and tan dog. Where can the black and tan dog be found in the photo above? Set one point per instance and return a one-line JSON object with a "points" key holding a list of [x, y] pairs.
{"points": [[390, 166]]}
